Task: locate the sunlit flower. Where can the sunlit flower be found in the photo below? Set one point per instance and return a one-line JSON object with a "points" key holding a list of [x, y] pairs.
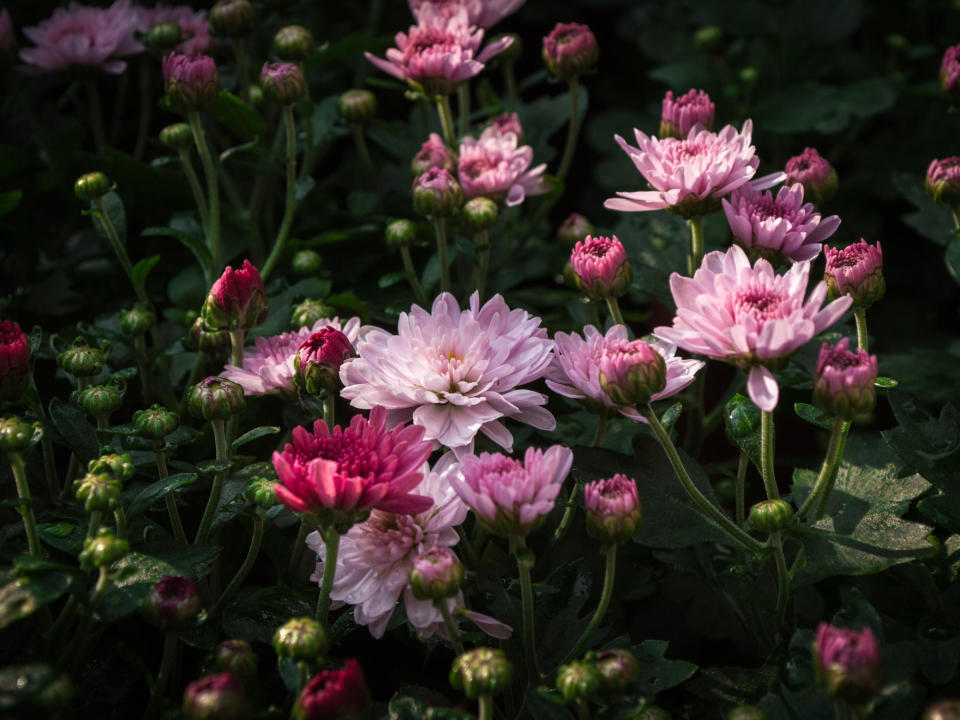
{"points": [[496, 166]]}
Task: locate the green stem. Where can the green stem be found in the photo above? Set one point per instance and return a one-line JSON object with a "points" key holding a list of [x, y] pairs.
{"points": [[472, 560], [118, 248], [175, 523], [607, 593], [595, 313], [485, 707], [412, 275], [360, 144], [452, 630], [243, 72], [766, 455], [298, 544], [482, 243], [96, 114], [567, 514], [463, 106], [144, 70], [696, 244], [223, 458], [740, 486], [291, 202], [446, 119], [510, 82], [602, 419], [121, 519], [524, 562], [331, 540], [783, 577], [255, 539], [614, 307], [163, 675], [573, 129], [706, 508], [74, 654], [860, 316], [26, 502], [93, 525], [198, 197], [440, 226], [237, 339], [210, 170], [817, 500], [329, 408]]}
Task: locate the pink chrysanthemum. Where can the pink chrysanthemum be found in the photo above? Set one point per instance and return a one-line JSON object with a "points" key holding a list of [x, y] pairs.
{"points": [[511, 498], [482, 13], [439, 52], [508, 122], [779, 229], [848, 662], [361, 467], [679, 115], [857, 271], [950, 72], [453, 372], [690, 176], [601, 266], [748, 316], [844, 381], [433, 153], [268, 366], [575, 372], [814, 172], [193, 24], [496, 166], [81, 36]]}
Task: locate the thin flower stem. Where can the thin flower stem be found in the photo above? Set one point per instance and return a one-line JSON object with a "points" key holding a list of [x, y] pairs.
{"points": [[412, 275], [510, 83], [452, 630], [573, 129], [256, 538], [739, 487], [290, 127], [211, 172], [298, 544], [614, 307], [223, 459], [607, 593], [824, 484], [860, 316], [567, 514], [121, 519], [72, 658], [360, 145], [26, 502], [485, 707], [696, 244], [175, 523], [440, 226], [96, 114], [332, 541], [602, 419], [524, 563], [766, 455], [463, 106], [783, 577], [46, 444], [163, 675], [243, 68], [329, 408], [482, 243], [237, 340], [93, 525], [706, 508], [198, 196], [117, 244], [446, 119]]}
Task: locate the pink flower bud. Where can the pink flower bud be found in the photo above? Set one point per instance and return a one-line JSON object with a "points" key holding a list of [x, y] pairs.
{"points": [[334, 694], [601, 265], [437, 194], [570, 50], [318, 360], [848, 662], [435, 574], [191, 81], [433, 153], [172, 604], [14, 360], [215, 696], [282, 82], [856, 270], [613, 509], [844, 383], [943, 180], [950, 74], [632, 372], [237, 300], [817, 176], [508, 122], [681, 114]]}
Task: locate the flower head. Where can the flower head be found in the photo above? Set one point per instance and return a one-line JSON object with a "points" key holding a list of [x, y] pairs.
{"points": [[632, 372], [857, 271], [435, 574], [436, 193], [173, 603], [575, 372], [81, 36], [301, 639], [690, 175], [334, 694], [433, 153], [780, 228], [511, 498], [268, 367], [193, 25], [844, 383], [508, 122], [216, 398], [570, 50], [811, 170], [680, 115], [318, 360], [439, 52], [191, 81], [943, 180], [218, 696], [14, 360], [481, 671], [482, 13], [748, 316], [232, 18], [496, 166], [344, 473], [237, 300], [613, 509], [950, 73], [282, 82], [454, 372], [848, 662], [602, 267]]}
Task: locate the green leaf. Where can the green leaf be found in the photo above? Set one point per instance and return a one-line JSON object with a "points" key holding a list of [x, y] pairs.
{"points": [[303, 187], [813, 415], [280, 304], [113, 208], [742, 422], [886, 382], [241, 119], [71, 422], [391, 278], [546, 704], [140, 271], [255, 613], [158, 490], [933, 221], [9, 201], [670, 416], [657, 673], [256, 433], [23, 596], [193, 244], [929, 445], [952, 258], [63, 536], [324, 118]]}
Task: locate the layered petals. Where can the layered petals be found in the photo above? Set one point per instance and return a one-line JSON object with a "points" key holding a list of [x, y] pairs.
{"points": [[496, 166]]}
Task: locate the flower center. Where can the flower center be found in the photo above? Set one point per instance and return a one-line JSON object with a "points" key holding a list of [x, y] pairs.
{"points": [[759, 304], [428, 38], [767, 209], [352, 456], [848, 257]]}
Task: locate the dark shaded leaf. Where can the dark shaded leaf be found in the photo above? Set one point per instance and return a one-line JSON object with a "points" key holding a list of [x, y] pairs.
{"points": [[158, 490], [71, 422]]}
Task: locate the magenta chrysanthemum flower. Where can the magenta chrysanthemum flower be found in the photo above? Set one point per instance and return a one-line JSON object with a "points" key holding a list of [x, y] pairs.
{"points": [[844, 382], [438, 53], [690, 176], [361, 467], [81, 36], [496, 166], [511, 498], [575, 372], [193, 24], [680, 115], [950, 72], [482, 13], [433, 153], [613, 509], [454, 372], [601, 266], [748, 316], [779, 229], [812, 170], [857, 271], [268, 366], [943, 180], [848, 662]]}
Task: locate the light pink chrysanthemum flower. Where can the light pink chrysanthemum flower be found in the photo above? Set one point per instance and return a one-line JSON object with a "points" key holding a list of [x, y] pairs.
{"points": [[511, 498], [575, 372], [950, 72], [268, 366], [454, 372], [433, 153], [781, 228], [679, 115], [508, 122], [496, 166], [82, 36], [439, 52], [748, 316], [690, 176], [482, 13], [375, 556], [601, 266], [193, 24]]}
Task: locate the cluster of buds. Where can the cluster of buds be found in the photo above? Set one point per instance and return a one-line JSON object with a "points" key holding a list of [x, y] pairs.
{"points": [[318, 360], [282, 83], [191, 81], [173, 604], [680, 115], [103, 549], [632, 372], [338, 693], [857, 271], [98, 491], [613, 509], [848, 662], [817, 176], [570, 50], [844, 382], [602, 267], [236, 301], [600, 676], [14, 361]]}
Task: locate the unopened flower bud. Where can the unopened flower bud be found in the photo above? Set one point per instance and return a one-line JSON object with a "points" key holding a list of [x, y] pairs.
{"points": [[15, 435], [436, 193], [576, 228], [357, 105], [335, 695], [950, 74], [163, 37], [192, 82], [943, 180], [843, 386], [255, 97], [619, 670], [103, 549], [261, 492], [81, 360], [401, 233], [942, 710], [156, 422], [308, 312], [856, 270], [237, 658], [318, 360], [119, 466], [817, 176], [707, 37], [508, 122], [213, 343], [613, 509], [632, 372], [137, 321], [173, 604], [570, 50], [435, 575], [433, 153], [578, 682], [481, 671], [479, 214], [177, 136], [300, 639], [293, 43], [306, 262], [98, 491], [602, 266], [771, 515], [216, 398], [91, 186], [14, 361], [99, 400], [236, 301], [232, 18], [848, 662], [215, 697], [681, 114], [282, 82]]}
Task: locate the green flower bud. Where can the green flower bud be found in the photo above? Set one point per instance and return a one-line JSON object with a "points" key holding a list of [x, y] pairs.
{"points": [[436, 193], [156, 422], [300, 639], [307, 262], [308, 312], [255, 96], [91, 186], [98, 491], [15, 435], [282, 83], [81, 360], [578, 681], [99, 400], [260, 491], [103, 549], [215, 697], [213, 343], [119, 467], [178, 136], [618, 668], [232, 18], [707, 37], [357, 106], [480, 214], [137, 321], [293, 43], [401, 233], [163, 38], [435, 575], [481, 671], [771, 515], [216, 398], [237, 658], [746, 712]]}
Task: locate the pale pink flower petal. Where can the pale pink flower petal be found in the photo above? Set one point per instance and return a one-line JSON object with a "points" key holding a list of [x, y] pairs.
{"points": [[496, 166], [482, 13]]}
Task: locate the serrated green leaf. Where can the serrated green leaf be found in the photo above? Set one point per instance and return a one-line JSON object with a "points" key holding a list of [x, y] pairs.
{"points": [[241, 119], [813, 415], [256, 433], [930, 445], [158, 490]]}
